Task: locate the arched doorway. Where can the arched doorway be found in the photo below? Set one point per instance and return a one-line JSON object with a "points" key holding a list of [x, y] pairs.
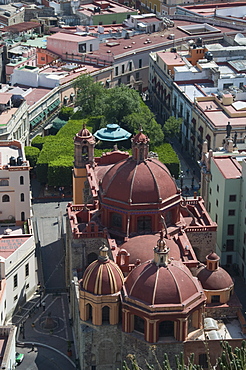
{"points": [[88, 308], [106, 315]]}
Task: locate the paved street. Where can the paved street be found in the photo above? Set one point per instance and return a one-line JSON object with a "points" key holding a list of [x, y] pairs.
{"points": [[44, 320]]}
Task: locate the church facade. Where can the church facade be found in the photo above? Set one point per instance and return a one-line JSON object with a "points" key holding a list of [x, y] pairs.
{"points": [[139, 260]]}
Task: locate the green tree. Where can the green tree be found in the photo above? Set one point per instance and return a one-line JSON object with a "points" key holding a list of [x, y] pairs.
{"points": [[65, 113], [88, 95], [172, 126], [119, 102]]}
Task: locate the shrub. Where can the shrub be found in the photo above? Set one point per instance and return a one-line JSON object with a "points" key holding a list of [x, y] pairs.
{"points": [[65, 113], [38, 142], [168, 156], [32, 154]]}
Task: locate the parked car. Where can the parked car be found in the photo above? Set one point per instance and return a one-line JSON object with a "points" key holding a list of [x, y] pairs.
{"points": [[19, 358]]}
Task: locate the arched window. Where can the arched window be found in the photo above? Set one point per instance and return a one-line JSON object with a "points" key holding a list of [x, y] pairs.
{"points": [[22, 197], [166, 329], [21, 180], [105, 314], [144, 224], [22, 216], [5, 198], [91, 257], [84, 152], [88, 311], [138, 324]]}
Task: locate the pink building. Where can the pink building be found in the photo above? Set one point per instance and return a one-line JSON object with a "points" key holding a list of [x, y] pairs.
{"points": [[64, 43]]}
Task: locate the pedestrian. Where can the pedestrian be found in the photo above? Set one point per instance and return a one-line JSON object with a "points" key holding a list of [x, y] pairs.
{"points": [[43, 305], [188, 171], [32, 347], [58, 204]]}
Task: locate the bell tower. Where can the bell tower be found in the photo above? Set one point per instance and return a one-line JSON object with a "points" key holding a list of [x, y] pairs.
{"points": [[84, 144]]}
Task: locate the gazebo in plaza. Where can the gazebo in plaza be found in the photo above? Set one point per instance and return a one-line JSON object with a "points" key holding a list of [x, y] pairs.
{"points": [[113, 133]]}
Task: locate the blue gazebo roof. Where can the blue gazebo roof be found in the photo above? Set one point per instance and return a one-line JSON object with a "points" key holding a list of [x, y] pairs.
{"points": [[112, 132]]}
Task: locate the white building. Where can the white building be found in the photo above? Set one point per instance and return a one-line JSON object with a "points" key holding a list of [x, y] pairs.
{"points": [[18, 271], [14, 183]]}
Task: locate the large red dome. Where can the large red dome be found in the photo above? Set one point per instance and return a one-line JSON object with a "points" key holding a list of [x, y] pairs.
{"points": [[160, 285], [140, 248], [148, 181]]}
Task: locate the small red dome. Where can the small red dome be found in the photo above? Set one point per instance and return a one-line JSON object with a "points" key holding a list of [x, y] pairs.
{"points": [[140, 138], [146, 182], [160, 285], [212, 256], [141, 248], [84, 132], [103, 277], [217, 279]]}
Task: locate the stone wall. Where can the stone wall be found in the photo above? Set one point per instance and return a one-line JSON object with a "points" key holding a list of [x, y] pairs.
{"points": [[203, 242]]}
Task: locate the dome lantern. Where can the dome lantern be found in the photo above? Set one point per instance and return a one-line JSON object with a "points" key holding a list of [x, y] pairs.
{"points": [[161, 252], [140, 146]]}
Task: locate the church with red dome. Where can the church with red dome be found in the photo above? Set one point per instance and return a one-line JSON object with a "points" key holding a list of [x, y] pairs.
{"points": [[139, 260]]}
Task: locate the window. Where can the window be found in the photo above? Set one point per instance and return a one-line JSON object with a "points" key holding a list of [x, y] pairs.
{"points": [[245, 221], [22, 197], [123, 69], [229, 259], [130, 66], [209, 207], [128, 79], [210, 191], [119, 81], [137, 76], [43, 59], [215, 299], [140, 63], [27, 270], [218, 188], [144, 223], [82, 48], [138, 324], [116, 220], [230, 229], [232, 198], [231, 212], [230, 245], [244, 238], [21, 180], [5, 304], [90, 47], [166, 329], [27, 286], [217, 203], [4, 182], [5, 198], [15, 281], [15, 298], [216, 218], [22, 216], [116, 71]]}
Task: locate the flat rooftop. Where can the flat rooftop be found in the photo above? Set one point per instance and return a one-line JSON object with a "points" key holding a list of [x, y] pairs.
{"points": [[228, 166], [9, 244]]}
